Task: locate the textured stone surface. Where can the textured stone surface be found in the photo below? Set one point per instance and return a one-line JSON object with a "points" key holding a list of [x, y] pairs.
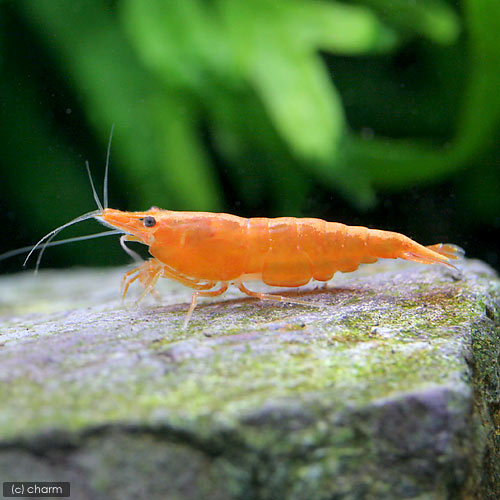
{"points": [[389, 391]]}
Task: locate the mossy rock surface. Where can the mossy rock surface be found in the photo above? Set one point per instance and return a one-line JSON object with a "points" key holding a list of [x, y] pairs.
{"points": [[390, 390]]}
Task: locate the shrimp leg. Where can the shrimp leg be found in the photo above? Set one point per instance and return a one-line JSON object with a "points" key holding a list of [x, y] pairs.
{"points": [[192, 283], [148, 274], [194, 301], [149, 286], [150, 271], [126, 281], [278, 298]]}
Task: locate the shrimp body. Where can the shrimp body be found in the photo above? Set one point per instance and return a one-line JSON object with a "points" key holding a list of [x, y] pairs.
{"points": [[203, 249]]}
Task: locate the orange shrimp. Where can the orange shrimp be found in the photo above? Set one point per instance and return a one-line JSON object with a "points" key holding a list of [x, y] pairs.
{"points": [[209, 251]]}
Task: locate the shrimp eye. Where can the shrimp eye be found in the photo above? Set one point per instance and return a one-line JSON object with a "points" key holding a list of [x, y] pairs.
{"points": [[149, 221]]}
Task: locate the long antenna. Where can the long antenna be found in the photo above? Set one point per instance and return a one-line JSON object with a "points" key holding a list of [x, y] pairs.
{"points": [[105, 189], [83, 217], [19, 251], [94, 192]]}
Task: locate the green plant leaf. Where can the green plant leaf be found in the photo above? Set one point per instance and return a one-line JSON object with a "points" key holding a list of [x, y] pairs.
{"points": [[432, 19], [339, 28], [180, 40], [480, 115], [186, 166], [288, 76], [118, 89], [395, 164]]}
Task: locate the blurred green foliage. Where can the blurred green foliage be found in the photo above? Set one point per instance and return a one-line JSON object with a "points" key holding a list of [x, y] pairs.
{"points": [[269, 101]]}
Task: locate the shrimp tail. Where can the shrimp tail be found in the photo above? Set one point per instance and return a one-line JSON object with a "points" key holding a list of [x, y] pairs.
{"points": [[440, 253], [448, 250]]}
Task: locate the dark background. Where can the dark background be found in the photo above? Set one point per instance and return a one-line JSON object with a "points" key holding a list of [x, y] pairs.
{"points": [[378, 113]]}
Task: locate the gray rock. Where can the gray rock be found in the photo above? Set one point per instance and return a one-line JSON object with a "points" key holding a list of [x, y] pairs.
{"points": [[390, 390]]}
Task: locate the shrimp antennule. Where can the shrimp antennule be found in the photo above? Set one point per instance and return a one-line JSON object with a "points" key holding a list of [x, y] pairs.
{"points": [[106, 170], [53, 233], [94, 192]]}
